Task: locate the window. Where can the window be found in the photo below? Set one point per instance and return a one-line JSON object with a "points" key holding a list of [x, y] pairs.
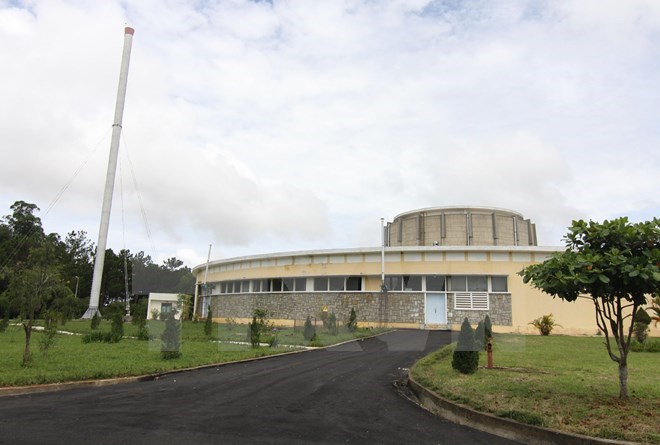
{"points": [[477, 283], [287, 284], [412, 282], [336, 283], [435, 283], [354, 283], [458, 283], [300, 284], [499, 284], [245, 286], [256, 285], [165, 308], [321, 284], [276, 285], [393, 282]]}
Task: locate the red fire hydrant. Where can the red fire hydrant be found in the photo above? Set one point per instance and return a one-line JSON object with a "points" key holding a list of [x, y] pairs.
{"points": [[489, 349]]}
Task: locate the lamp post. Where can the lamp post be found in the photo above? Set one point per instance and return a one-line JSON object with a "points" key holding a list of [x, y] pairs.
{"points": [[382, 254]]}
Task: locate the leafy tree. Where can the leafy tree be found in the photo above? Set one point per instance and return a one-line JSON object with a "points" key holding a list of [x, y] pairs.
{"points": [[616, 264], [32, 287], [466, 355]]}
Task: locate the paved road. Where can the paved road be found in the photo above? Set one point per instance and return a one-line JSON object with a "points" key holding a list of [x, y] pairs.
{"points": [[338, 395]]}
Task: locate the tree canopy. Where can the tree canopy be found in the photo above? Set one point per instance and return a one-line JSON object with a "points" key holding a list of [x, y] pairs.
{"points": [[617, 265]]}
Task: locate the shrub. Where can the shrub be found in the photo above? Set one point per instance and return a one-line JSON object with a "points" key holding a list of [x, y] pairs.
{"points": [[647, 346], [208, 323], [352, 321], [466, 357], [641, 323], [96, 321], [332, 324], [545, 324], [171, 338], [117, 328], [314, 341], [154, 314], [97, 337], [310, 331]]}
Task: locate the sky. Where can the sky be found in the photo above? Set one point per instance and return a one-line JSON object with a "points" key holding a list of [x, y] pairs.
{"points": [[271, 126]]}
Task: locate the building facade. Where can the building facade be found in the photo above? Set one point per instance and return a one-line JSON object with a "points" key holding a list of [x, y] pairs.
{"points": [[437, 267]]}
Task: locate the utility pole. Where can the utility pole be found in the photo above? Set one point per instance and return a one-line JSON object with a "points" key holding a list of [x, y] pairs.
{"points": [[110, 177]]}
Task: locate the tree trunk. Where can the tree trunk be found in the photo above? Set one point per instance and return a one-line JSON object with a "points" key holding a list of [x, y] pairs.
{"points": [[28, 334], [623, 380]]}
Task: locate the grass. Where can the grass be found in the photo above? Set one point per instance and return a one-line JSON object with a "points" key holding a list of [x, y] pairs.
{"points": [[567, 383], [70, 359]]}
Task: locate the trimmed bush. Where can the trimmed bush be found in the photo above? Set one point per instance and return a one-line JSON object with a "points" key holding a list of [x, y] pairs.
{"points": [[171, 338], [352, 321], [466, 357], [332, 324], [488, 328], [641, 323], [97, 337], [208, 323], [310, 331], [480, 339]]}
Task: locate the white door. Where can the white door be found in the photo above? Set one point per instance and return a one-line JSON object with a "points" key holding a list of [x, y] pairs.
{"points": [[436, 308]]}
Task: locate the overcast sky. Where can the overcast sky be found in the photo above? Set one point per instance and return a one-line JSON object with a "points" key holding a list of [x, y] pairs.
{"points": [[263, 126]]}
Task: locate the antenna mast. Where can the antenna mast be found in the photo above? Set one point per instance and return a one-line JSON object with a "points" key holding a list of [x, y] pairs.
{"points": [[110, 177]]}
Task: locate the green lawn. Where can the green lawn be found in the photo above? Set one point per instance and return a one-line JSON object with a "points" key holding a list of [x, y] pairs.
{"points": [[561, 382], [70, 359]]}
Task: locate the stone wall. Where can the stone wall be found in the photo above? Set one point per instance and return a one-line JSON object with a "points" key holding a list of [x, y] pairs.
{"points": [[371, 307], [500, 311], [374, 307]]}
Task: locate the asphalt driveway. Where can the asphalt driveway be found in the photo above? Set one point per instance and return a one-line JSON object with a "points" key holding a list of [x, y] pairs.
{"points": [[337, 395]]}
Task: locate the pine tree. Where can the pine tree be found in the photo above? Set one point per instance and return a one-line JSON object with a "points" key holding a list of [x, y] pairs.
{"points": [[310, 330], [480, 338], [466, 356], [208, 323]]}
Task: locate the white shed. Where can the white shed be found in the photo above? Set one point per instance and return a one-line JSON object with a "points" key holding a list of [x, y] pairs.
{"points": [[163, 303]]}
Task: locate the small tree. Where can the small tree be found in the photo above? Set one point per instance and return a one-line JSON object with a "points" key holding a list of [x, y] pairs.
{"points": [[466, 356], [50, 330], [254, 332], [117, 328], [352, 321], [616, 264], [171, 338], [310, 331], [208, 323], [95, 322]]}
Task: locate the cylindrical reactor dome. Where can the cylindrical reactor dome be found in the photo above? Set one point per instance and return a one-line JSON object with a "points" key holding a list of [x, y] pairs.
{"points": [[461, 226]]}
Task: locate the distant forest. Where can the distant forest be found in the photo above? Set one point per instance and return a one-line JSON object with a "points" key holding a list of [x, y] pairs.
{"points": [[68, 264]]}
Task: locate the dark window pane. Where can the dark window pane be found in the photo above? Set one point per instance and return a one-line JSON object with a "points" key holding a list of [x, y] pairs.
{"points": [[265, 286], [301, 284], [336, 283], [321, 284], [276, 285], [393, 282], [499, 284], [477, 283], [435, 283], [412, 282], [287, 285], [354, 283], [457, 282]]}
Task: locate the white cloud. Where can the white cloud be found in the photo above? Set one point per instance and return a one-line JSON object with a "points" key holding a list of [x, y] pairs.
{"points": [[259, 127]]}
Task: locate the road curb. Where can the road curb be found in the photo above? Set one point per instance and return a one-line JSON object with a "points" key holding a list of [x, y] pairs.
{"points": [[499, 426]]}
